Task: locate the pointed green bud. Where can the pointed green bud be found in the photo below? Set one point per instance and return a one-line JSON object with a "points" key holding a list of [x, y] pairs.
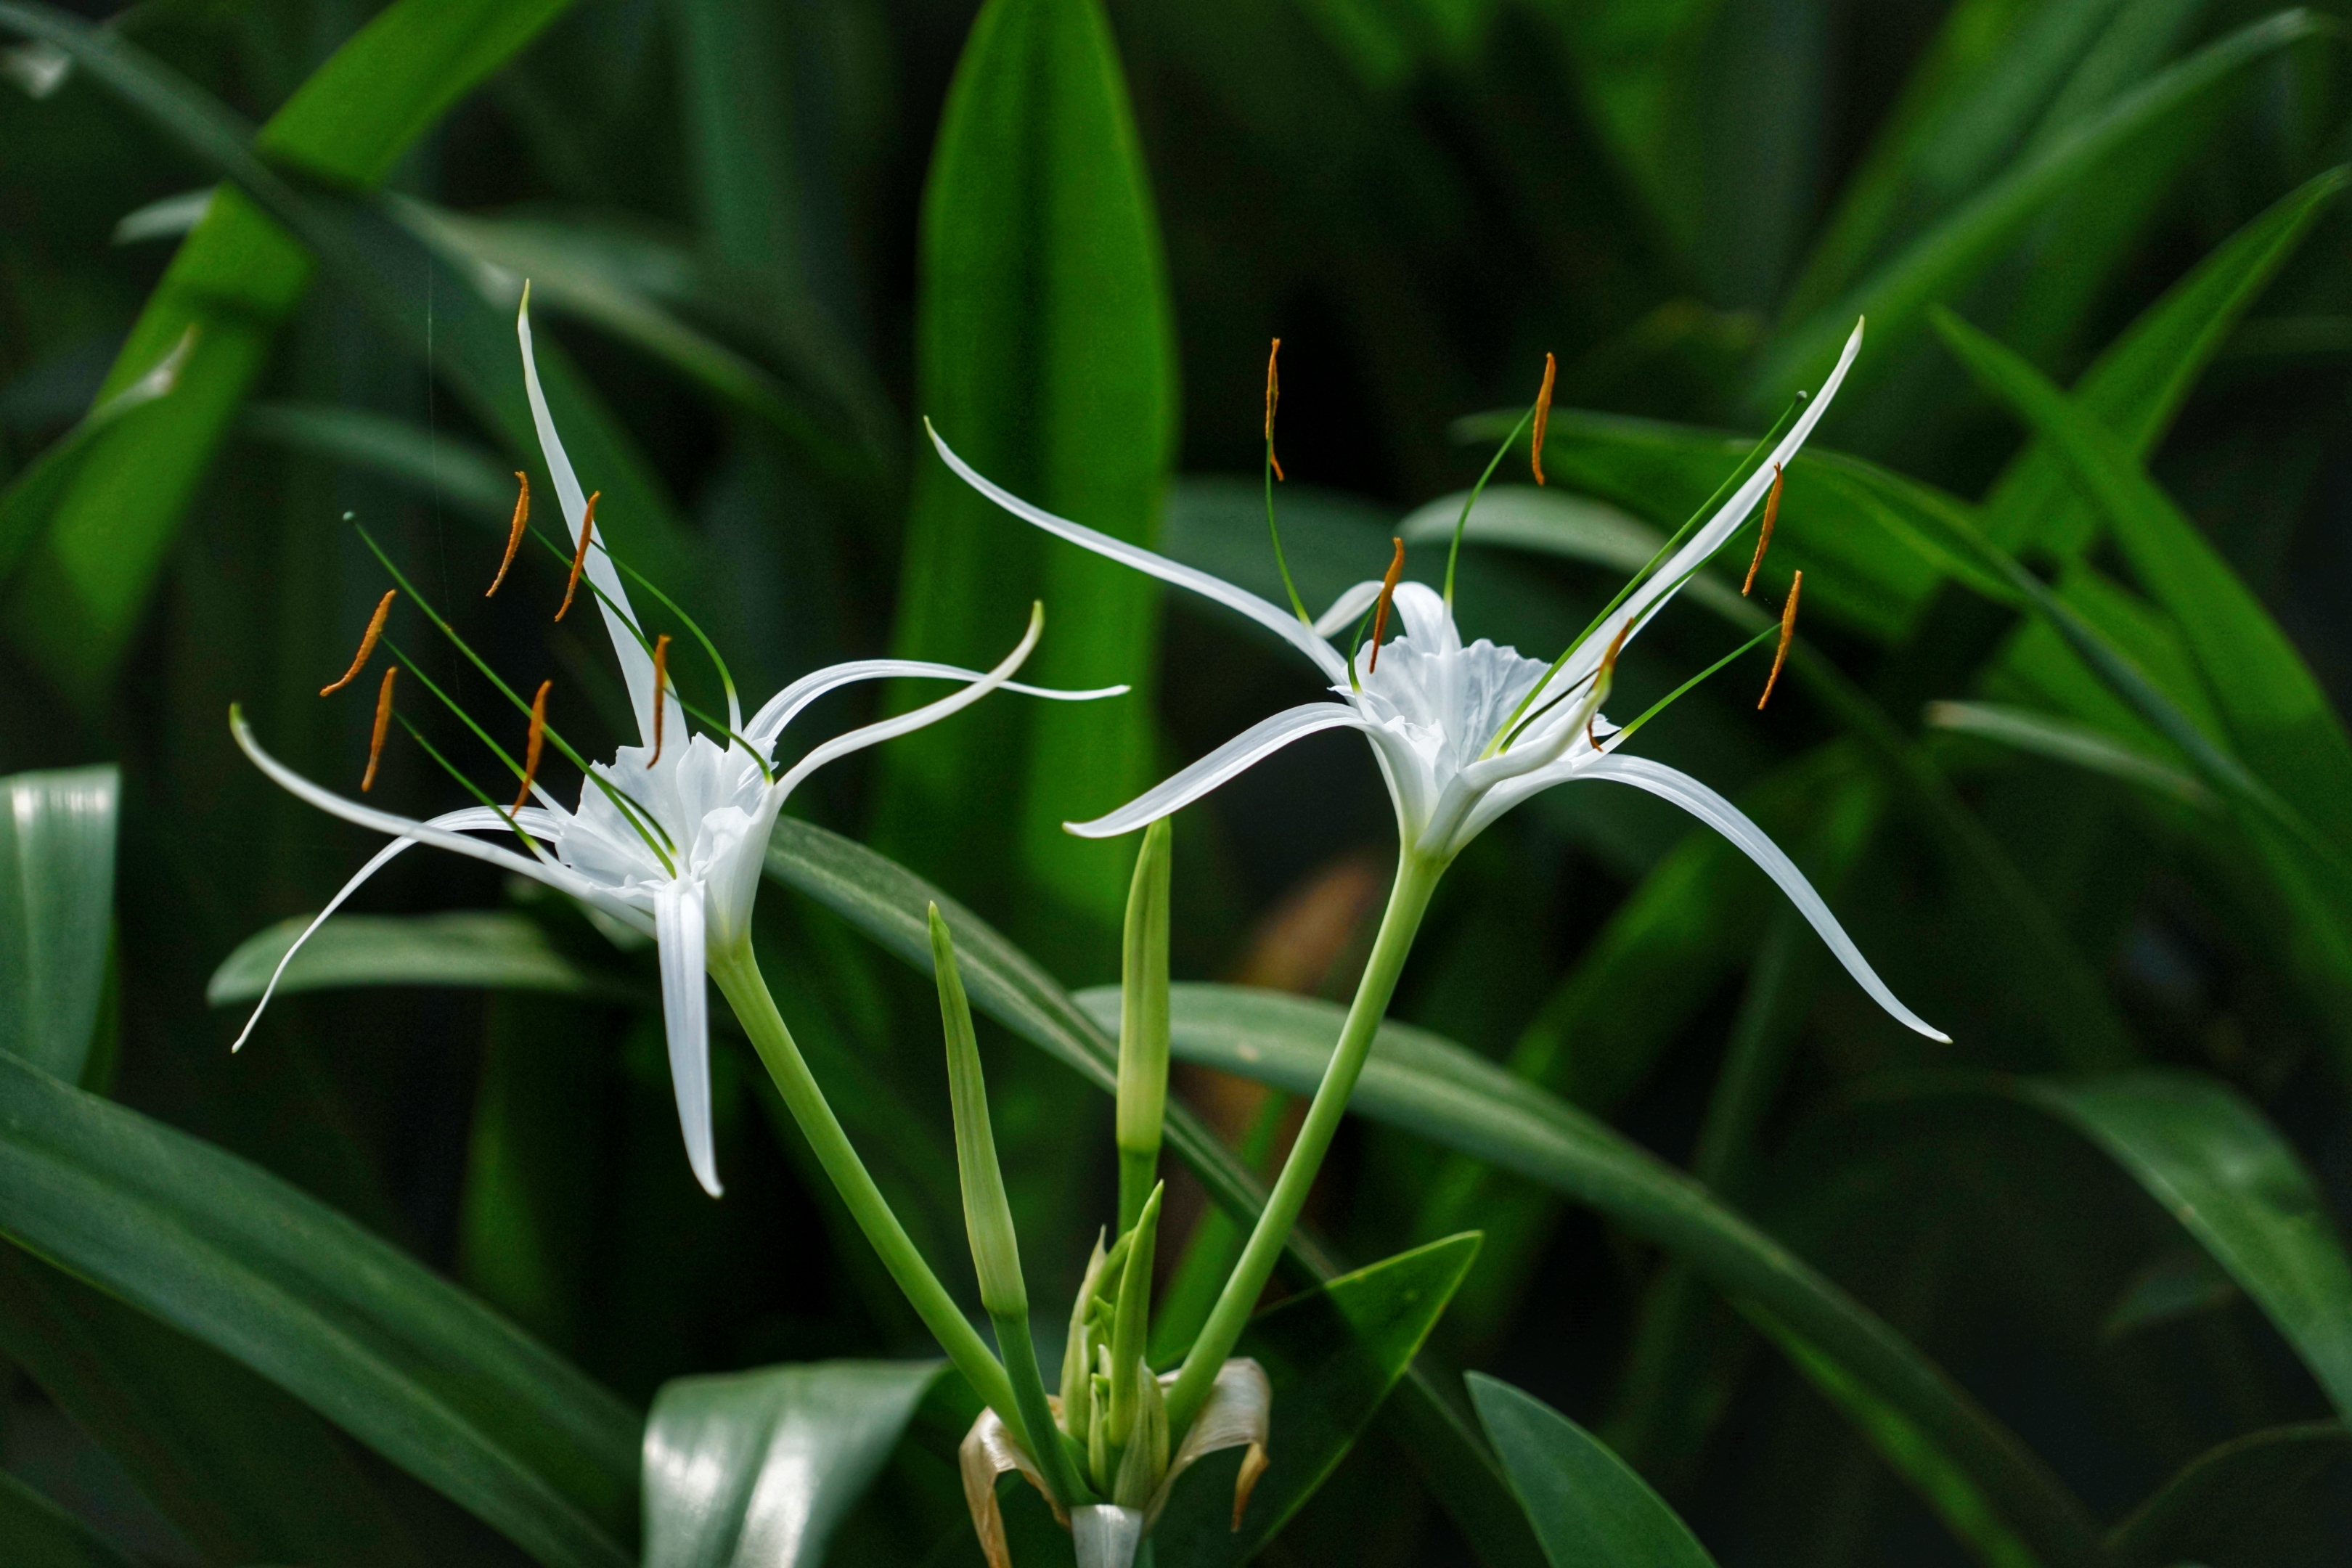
{"points": [[1132, 1327], [1076, 1354], [1098, 1453], [1143, 1025], [987, 1214], [1146, 1459]]}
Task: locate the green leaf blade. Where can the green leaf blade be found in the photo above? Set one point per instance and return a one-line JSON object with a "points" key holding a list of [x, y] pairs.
{"points": [[1589, 1507]]}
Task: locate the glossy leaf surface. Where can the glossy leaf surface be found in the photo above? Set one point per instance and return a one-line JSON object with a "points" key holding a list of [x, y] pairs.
{"points": [[1587, 1504], [56, 900]]}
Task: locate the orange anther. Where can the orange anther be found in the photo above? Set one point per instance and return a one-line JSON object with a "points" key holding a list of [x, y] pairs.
{"points": [[1543, 414], [530, 746], [514, 535], [367, 643], [1272, 397], [382, 722], [661, 680], [1788, 635], [580, 554], [1764, 539], [1388, 592]]}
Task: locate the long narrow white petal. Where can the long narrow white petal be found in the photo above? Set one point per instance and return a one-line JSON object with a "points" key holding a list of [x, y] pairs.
{"points": [[1280, 622], [1727, 819], [1102, 1536], [779, 711], [1652, 597], [473, 817], [620, 620], [929, 713], [686, 1019], [1244, 750], [559, 877], [1348, 608]]}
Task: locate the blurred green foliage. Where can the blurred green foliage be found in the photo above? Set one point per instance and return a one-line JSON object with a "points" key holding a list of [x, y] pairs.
{"points": [[2061, 742]]}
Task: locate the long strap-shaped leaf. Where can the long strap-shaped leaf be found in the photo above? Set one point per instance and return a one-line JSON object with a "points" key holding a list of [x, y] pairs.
{"points": [[363, 1333], [1427, 1085], [886, 901], [240, 273]]}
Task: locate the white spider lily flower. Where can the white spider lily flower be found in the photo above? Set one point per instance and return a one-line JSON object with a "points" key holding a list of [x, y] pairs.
{"points": [[682, 862], [1438, 713]]}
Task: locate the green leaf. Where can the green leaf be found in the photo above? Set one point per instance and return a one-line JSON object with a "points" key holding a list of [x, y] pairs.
{"points": [[433, 464], [2061, 740], [1436, 1089], [364, 1334], [56, 907], [26, 504], [830, 411], [2220, 1497], [495, 951], [1946, 1489], [1588, 1506], [1046, 356], [755, 1469], [2279, 716], [236, 279], [241, 1468], [888, 903], [1331, 1356], [1952, 254], [2216, 1166], [2139, 382], [1966, 107], [37, 1534]]}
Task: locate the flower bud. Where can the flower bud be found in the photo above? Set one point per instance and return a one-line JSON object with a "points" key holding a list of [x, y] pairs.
{"points": [[1143, 1025], [987, 1214]]}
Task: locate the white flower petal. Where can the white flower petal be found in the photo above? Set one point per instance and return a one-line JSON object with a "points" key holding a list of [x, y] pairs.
{"points": [[1427, 621], [1348, 608], [1106, 1536], [1244, 750], [620, 620], [929, 713], [779, 711], [686, 1019], [1727, 819], [1652, 595], [1280, 622], [560, 877], [473, 817]]}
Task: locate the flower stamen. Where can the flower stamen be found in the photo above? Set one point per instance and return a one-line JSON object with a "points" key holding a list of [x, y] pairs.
{"points": [[661, 681], [1788, 635], [514, 535], [1764, 539], [382, 722], [579, 553], [1272, 397], [1388, 592], [367, 643], [1543, 416], [533, 742]]}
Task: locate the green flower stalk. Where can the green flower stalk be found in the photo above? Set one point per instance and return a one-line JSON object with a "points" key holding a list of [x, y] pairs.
{"points": [[1143, 1026]]}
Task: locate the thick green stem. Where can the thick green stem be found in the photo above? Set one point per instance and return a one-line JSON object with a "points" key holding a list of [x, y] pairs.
{"points": [[1416, 879], [739, 978], [1053, 1458]]}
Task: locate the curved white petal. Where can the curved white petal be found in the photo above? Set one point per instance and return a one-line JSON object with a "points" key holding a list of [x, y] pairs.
{"points": [[686, 1019], [1244, 750], [1727, 819], [1348, 608], [1280, 622], [473, 818], [929, 713], [555, 875], [1427, 620], [778, 712], [620, 620], [1652, 595]]}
